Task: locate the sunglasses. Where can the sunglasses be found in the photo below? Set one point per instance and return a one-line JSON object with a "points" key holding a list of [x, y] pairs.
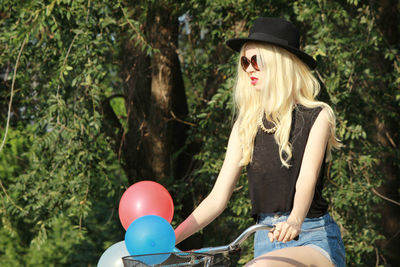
{"points": [[245, 62]]}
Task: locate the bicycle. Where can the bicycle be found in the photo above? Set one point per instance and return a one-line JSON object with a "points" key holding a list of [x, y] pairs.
{"points": [[197, 258]]}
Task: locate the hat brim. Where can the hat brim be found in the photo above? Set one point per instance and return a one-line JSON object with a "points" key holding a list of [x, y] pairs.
{"points": [[237, 43]]}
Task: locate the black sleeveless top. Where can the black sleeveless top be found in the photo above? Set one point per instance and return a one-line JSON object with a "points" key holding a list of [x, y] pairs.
{"points": [[271, 185]]}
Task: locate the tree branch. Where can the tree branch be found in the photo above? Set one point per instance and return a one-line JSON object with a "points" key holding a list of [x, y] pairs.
{"points": [[179, 120], [380, 195], [9, 116], [12, 93]]}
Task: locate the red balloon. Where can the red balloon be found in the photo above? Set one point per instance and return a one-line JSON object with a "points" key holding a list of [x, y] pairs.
{"points": [[145, 198]]}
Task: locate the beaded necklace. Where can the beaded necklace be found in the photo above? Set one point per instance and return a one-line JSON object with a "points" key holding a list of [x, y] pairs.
{"points": [[261, 124]]}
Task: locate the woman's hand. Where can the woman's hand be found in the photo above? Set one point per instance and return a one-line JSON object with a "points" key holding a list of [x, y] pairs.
{"points": [[285, 231]]}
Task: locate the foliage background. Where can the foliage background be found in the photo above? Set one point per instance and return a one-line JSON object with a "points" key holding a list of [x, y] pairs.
{"points": [[62, 173]]}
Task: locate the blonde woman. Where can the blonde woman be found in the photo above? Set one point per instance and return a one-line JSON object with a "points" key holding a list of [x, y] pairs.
{"points": [[282, 135]]}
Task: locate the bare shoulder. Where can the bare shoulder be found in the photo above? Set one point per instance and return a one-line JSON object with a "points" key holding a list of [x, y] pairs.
{"points": [[235, 130], [322, 126], [235, 126], [324, 118], [325, 113]]}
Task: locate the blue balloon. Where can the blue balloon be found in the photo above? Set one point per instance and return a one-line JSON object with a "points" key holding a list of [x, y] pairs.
{"points": [[150, 234]]}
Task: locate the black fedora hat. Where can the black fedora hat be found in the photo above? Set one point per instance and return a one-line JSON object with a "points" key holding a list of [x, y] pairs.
{"points": [[275, 31]]}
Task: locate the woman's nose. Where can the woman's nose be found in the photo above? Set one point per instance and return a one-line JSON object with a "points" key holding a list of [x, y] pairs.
{"points": [[250, 69]]}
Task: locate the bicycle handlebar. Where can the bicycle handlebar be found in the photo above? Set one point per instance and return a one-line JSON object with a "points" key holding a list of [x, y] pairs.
{"points": [[236, 243]]}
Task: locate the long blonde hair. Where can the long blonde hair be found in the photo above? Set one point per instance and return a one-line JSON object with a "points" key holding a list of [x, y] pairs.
{"points": [[289, 82]]}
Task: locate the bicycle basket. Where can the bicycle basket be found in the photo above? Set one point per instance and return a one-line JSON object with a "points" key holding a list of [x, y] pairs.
{"points": [[172, 259]]}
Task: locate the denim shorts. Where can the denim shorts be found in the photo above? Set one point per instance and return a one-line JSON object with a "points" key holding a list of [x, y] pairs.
{"points": [[321, 233]]}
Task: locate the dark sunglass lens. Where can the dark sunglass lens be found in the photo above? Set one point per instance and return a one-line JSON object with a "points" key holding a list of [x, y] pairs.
{"points": [[254, 63], [245, 62]]}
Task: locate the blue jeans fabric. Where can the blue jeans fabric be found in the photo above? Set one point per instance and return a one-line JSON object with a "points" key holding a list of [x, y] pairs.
{"points": [[321, 233]]}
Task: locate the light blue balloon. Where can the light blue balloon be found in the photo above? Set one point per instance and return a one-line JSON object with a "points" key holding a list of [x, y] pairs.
{"points": [[150, 234], [112, 257]]}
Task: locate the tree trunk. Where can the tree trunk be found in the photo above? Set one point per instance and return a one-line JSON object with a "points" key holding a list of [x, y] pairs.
{"points": [[388, 21], [155, 98]]}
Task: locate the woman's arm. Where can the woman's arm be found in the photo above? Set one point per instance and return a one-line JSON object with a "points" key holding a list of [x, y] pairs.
{"points": [[306, 182], [216, 201]]}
